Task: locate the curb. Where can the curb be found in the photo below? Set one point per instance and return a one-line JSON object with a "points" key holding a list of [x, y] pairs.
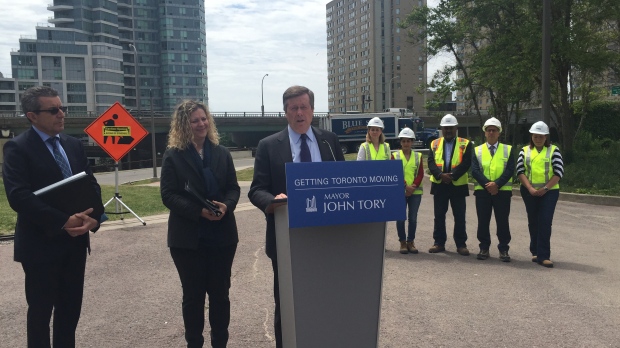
{"points": [[611, 201]]}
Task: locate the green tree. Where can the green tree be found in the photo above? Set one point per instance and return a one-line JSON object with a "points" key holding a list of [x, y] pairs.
{"points": [[497, 46]]}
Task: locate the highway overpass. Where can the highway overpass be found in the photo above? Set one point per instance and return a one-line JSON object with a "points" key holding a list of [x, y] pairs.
{"points": [[244, 128]]}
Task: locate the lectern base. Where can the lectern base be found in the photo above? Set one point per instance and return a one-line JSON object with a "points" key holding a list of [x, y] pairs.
{"points": [[330, 283]]}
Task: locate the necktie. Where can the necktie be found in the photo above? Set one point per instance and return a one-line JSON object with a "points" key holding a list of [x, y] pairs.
{"points": [[304, 154], [492, 149], [61, 161]]}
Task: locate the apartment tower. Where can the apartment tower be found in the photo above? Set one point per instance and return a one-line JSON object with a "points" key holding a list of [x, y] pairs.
{"points": [[98, 52], [370, 58]]}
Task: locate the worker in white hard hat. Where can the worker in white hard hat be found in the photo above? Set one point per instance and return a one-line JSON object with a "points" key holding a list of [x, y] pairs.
{"points": [[540, 168], [413, 169], [448, 162], [493, 167], [375, 147]]}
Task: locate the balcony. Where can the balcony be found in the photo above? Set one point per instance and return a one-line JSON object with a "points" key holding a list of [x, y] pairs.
{"points": [[53, 20], [59, 7]]}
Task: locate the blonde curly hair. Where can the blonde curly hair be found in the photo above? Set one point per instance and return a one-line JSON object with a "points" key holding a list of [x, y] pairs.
{"points": [[180, 136]]}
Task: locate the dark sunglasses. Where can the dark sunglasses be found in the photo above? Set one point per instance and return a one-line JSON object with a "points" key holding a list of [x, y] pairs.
{"points": [[54, 110]]}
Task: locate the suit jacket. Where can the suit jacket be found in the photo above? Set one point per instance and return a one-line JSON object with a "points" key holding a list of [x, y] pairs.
{"points": [[29, 166], [185, 224], [457, 172], [269, 173]]}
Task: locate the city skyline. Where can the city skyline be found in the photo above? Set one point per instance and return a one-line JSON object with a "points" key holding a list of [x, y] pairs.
{"points": [[241, 49]]}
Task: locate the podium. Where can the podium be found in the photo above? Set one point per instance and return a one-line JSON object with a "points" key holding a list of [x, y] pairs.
{"points": [[330, 283], [330, 238]]}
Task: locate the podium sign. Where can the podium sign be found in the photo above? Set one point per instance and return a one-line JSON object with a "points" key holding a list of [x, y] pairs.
{"points": [[353, 192]]}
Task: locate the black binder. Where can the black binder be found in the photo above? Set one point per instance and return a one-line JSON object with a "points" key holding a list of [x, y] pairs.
{"points": [[73, 195], [214, 208]]}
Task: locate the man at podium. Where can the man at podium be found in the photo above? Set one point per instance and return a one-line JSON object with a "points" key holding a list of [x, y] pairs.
{"points": [[298, 142]]}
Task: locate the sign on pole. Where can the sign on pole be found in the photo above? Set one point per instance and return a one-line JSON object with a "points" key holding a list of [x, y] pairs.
{"points": [[116, 131], [615, 90]]}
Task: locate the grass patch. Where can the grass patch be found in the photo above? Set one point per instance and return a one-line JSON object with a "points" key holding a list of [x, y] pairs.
{"points": [[245, 174], [142, 182], [143, 200]]}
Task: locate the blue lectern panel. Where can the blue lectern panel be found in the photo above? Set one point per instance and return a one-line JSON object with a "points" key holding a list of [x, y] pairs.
{"points": [[333, 193]]}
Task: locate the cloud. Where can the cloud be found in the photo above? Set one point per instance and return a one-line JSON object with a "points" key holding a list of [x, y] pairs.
{"points": [[285, 39], [19, 20], [246, 39]]}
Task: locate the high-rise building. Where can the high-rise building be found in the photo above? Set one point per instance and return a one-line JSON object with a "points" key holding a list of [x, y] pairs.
{"points": [[99, 52], [370, 57]]}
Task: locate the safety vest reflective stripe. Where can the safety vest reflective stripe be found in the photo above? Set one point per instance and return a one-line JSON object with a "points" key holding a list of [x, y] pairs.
{"points": [[539, 173], [489, 167], [437, 146], [370, 151], [410, 171]]}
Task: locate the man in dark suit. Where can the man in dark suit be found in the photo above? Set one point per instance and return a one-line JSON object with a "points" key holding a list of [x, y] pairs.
{"points": [[293, 144], [448, 162], [50, 244]]}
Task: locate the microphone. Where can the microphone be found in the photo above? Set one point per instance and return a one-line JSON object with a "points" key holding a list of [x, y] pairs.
{"points": [[330, 150]]}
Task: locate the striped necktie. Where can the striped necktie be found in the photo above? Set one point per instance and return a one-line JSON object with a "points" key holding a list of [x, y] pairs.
{"points": [[492, 149], [61, 161]]}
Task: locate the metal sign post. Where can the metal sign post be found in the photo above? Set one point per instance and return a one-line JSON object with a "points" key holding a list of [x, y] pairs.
{"points": [[118, 203], [117, 132]]}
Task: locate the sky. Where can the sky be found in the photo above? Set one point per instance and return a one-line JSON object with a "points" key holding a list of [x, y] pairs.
{"points": [[246, 39]]}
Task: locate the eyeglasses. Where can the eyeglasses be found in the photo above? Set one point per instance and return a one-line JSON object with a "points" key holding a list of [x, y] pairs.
{"points": [[54, 111]]}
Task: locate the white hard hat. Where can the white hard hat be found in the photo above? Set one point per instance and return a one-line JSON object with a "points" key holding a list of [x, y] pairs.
{"points": [[375, 122], [448, 121], [539, 127], [492, 122], [406, 133]]}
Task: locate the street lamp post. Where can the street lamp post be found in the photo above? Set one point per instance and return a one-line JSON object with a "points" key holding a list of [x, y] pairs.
{"points": [[390, 90], [262, 100], [153, 136], [364, 100], [135, 55]]}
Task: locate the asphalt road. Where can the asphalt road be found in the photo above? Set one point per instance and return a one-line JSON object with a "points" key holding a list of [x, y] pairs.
{"points": [[125, 176], [133, 295]]}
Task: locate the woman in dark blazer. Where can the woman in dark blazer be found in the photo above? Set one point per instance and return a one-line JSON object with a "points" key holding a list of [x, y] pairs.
{"points": [[202, 244]]}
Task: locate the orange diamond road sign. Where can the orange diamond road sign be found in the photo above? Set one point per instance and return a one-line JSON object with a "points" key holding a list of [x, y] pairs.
{"points": [[116, 131]]}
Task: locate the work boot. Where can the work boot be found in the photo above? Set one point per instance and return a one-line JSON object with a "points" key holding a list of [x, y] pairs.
{"points": [[411, 247], [546, 263], [403, 247], [436, 249], [503, 255], [483, 254], [463, 251], [534, 258]]}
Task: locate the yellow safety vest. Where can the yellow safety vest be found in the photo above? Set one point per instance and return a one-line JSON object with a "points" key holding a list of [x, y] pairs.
{"points": [[493, 166], [410, 168], [372, 154], [538, 166], [457, 158]]}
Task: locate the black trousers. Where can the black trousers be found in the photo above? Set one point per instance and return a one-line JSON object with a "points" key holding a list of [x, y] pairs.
{"points": [[55, 286], [486, 204], [205, 271], [457, 202], [277, 319]]}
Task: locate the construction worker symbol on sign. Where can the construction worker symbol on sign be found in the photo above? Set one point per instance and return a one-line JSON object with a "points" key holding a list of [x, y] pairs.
{"points": [[124, 131], [112, 130]]}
